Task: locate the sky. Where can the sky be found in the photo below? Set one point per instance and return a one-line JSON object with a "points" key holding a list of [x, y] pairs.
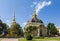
{"points": [[46, 10]]}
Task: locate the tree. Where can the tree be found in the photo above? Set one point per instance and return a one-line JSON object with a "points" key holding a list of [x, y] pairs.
{"points": [[28, 32], [31, 28], [3, 28], [0, 27], [15, 30], [52, 30]]}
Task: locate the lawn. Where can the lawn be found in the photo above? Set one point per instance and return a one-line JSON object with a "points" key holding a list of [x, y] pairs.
{"points": [[45, 39], [0, 39], [40, 39]]}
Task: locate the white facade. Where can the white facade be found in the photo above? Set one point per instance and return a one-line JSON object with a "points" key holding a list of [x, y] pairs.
{"points": [[58, 29]]}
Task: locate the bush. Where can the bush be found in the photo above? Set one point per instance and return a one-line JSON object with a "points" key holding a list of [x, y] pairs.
{"points": [[28, 36]]}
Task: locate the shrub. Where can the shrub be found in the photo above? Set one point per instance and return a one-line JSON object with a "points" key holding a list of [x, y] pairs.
{"points": [[28, 36]]}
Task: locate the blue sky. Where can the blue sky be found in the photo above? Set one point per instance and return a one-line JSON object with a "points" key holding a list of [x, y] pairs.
{"points": [[25, 8]]}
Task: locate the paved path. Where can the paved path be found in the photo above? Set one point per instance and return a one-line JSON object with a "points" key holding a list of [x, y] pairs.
{"points": [[9, 39]]}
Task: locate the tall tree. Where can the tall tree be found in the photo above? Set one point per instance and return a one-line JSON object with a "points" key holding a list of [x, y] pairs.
{"points": [[31, 28], [3, 28], [29, 31], [15, 30], [51, 28], [0, 27]]}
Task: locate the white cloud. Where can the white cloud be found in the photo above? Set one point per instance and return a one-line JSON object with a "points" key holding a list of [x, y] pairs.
{"points": [[34, 2], [24, 23], [8, 23], [49, 3], [41, 5]]}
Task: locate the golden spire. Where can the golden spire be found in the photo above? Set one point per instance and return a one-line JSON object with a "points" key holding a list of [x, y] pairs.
{"points": [[34, 14], [13, 20]]}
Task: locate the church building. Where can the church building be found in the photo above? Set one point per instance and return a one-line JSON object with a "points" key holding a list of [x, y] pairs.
{"points": [[34, 21]]}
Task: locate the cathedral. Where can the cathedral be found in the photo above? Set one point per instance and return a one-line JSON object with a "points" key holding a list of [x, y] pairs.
{"points": [[34, 21]]}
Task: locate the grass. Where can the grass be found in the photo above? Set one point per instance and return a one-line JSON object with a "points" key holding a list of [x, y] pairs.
{"points": [[51, 38], [0, 39], [40, 39], [45, 39]]}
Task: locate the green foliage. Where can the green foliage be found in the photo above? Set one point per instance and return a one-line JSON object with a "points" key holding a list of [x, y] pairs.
{"points": [[0, 21], [52, 29], [28, 36], [3, 28], [29, 30], [15, 30]]}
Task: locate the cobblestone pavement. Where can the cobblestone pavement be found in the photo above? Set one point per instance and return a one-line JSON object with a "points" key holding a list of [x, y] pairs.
{"points": [[9, 39]]}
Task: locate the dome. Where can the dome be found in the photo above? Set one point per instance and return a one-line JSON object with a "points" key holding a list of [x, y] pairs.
{"points": [[35, 20]]}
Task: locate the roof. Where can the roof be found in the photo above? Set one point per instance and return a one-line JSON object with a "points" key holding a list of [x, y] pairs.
{"points": [[34, 18]]}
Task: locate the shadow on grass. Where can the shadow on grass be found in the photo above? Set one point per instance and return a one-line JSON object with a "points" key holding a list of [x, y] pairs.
{"points": [[39, 37], [31, 40], [42, 37]]}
